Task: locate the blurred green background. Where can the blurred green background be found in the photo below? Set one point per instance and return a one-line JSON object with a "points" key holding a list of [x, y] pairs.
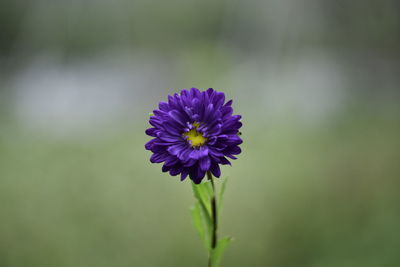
{"points": [[317, 83]]}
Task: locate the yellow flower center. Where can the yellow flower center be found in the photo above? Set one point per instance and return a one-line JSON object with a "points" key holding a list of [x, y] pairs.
{"points": [[195, 138]]}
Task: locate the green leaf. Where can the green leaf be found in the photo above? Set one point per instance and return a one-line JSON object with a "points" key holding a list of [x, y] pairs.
{"points": [[199, 223], [208, 188], [221, 194], [216, 254], [201, 193], [197, 219], [151, 114]]}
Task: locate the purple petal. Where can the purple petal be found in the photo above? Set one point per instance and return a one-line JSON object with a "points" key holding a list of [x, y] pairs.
{"points": [[184, 153], [198, 153], [168, 138], [204, 163], [159, 113], [215, 170], [195, 93], [151, 132], [171, 160], [175, 170], [235, 150], [158, 158], [215, 152], [178, 117], [228, 104], [165, 168], [190, 163], [163, 106], [233, 140], [149, 144], [219, 99], [210, 91], [224, 161], [184, 174], [176, 149]]}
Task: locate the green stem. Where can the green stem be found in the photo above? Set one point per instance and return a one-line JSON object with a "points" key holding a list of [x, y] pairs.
{"points": [[214, 217]]}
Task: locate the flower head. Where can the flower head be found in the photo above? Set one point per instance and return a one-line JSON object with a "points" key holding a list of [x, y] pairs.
{"points": [[193, 133]]}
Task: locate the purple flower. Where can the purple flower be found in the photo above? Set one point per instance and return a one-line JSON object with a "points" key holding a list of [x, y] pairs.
{"points": [[193, 133]]}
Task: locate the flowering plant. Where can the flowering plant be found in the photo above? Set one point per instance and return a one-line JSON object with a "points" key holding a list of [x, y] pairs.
{"points": [[193, 134]]}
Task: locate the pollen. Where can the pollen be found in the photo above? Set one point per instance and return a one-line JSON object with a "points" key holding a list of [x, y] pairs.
{"points": [[194, 137], [196, 125]]}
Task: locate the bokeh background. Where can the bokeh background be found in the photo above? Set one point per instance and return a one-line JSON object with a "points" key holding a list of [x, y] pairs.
{"points": [[317, 83]]}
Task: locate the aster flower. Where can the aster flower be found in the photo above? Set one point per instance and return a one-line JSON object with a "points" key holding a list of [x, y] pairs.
{"points": [[194, 132]]}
